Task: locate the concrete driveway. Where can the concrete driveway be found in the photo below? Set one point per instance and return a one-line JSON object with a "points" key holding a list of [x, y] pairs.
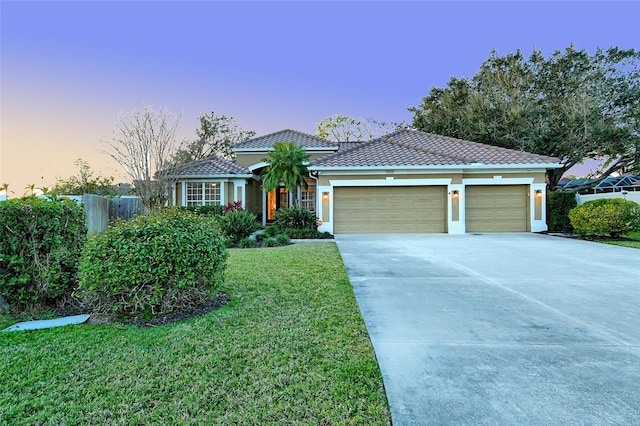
{"points": [[501, 329]]}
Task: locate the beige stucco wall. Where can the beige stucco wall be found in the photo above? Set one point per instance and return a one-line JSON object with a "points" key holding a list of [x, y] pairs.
{"points": [[253, 202], [538, 177]]}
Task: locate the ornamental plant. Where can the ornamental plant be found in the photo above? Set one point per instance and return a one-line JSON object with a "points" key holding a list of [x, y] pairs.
{"points": [[606, 216], [153, 264], [295, 218], [233, 206], [237, 224], [41, 241]]}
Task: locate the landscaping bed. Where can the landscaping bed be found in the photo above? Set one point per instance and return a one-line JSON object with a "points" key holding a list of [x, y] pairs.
{"points": [[629, 240]]}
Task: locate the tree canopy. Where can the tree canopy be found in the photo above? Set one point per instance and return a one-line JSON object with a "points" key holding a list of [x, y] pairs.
{"points": [[572, 105], [216, 135], [83, 183], [342, 128], [287, 163]]}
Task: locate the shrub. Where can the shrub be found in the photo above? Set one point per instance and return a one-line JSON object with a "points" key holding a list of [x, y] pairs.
{"points": [[270, 242], [295, 218], [209, 211], [153, 264], [606, 216], [303, 233], [270, 231], [558, 206], [247, 242], [233, 206], [282, 239], [237, 225], [41, 241]]}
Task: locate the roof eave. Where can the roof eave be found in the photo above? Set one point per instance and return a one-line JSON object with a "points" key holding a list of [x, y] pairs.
{"points": [[466, 166], [215, 176], [270, 148]]}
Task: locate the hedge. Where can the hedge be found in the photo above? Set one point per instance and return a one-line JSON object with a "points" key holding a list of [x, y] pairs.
{"points": [[41, 241], [558, 206], [606, 216], [153, 264]]}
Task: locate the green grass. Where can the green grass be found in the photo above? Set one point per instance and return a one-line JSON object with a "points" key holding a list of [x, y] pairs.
{"points": [[290, 348], [633, 241]]}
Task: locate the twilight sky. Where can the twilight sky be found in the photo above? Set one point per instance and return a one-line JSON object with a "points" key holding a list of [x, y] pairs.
{"points": [[68, 68]]}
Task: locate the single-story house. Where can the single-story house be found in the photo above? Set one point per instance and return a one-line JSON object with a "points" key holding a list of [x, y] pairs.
{"points": [[405, 182]]}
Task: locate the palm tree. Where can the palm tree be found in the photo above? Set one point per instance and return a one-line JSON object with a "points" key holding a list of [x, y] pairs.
{"points": [[5, 187], [287, 163], [31, 187]]}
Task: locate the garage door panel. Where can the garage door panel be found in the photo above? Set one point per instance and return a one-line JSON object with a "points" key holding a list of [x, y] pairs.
{"points": [[496, 208], [395, 209]]}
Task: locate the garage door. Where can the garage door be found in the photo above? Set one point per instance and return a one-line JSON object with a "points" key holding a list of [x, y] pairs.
{"points": [[397, 209], [496, 208]]}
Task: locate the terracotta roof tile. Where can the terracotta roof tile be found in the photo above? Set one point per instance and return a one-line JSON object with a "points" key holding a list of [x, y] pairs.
{"points": [[415, 148], [301, 139]]}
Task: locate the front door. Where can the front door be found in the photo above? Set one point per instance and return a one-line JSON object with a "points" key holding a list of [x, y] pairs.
{"points": [[276, 199]]}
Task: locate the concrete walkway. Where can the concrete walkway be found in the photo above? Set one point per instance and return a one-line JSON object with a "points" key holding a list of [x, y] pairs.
{"points": [[501, 329]]}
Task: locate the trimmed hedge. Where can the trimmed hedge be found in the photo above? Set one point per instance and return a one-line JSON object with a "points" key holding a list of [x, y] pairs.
{"points": [[606, 216], [41, 241], [558, 206], [153, 264], [209, 211], [297, 234]]}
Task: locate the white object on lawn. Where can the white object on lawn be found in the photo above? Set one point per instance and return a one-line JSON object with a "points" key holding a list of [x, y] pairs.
{"points": [[56, 322]]}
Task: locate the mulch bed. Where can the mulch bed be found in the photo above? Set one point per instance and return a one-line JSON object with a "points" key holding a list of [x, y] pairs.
{"points": [[217, 302], [596, 238], [76, 308]]}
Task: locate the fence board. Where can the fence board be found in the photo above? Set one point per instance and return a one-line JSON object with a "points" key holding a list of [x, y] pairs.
{"points": [[97, 209]]}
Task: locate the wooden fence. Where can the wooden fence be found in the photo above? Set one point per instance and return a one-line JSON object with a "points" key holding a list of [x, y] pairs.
{"points": [[101, 210]]}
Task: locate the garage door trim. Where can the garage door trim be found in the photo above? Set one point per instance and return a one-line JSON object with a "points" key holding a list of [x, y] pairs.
{"points": [[390, 181], [374, 209]]}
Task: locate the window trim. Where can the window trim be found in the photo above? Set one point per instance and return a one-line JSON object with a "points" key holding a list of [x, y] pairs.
{"points": [[203, 193]]}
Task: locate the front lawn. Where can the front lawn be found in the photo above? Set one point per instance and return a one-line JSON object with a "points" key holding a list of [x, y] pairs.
{"points": [[632, 240], [290, 348]]}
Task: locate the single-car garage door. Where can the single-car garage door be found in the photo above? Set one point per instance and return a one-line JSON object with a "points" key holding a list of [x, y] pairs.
{"points": [[396, 209], [496, 208]]}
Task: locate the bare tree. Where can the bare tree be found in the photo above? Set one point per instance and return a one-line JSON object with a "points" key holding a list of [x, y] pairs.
{"points": [[143, 145]]}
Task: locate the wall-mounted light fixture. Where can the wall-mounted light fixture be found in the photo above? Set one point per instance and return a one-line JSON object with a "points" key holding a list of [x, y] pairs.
{"points": [[325, 196], [538, 193], [455, 194]]}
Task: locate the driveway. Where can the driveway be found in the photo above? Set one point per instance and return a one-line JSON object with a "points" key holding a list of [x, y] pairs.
{"points": [[508, 329]]}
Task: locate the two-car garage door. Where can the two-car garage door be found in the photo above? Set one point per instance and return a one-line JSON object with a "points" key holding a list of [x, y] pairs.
{"points": [[396, 209], [418, 209]]}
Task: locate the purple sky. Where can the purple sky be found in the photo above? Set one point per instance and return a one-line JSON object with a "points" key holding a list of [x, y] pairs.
{"points": [[69, 68]]}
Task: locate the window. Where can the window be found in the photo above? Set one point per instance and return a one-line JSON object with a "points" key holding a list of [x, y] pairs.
{"points": [[203, 193], [308, 198]]}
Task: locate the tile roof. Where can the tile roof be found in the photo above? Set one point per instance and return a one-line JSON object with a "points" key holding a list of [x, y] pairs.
{"points": [[301, 139], [410, 147], [212, 166]]}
